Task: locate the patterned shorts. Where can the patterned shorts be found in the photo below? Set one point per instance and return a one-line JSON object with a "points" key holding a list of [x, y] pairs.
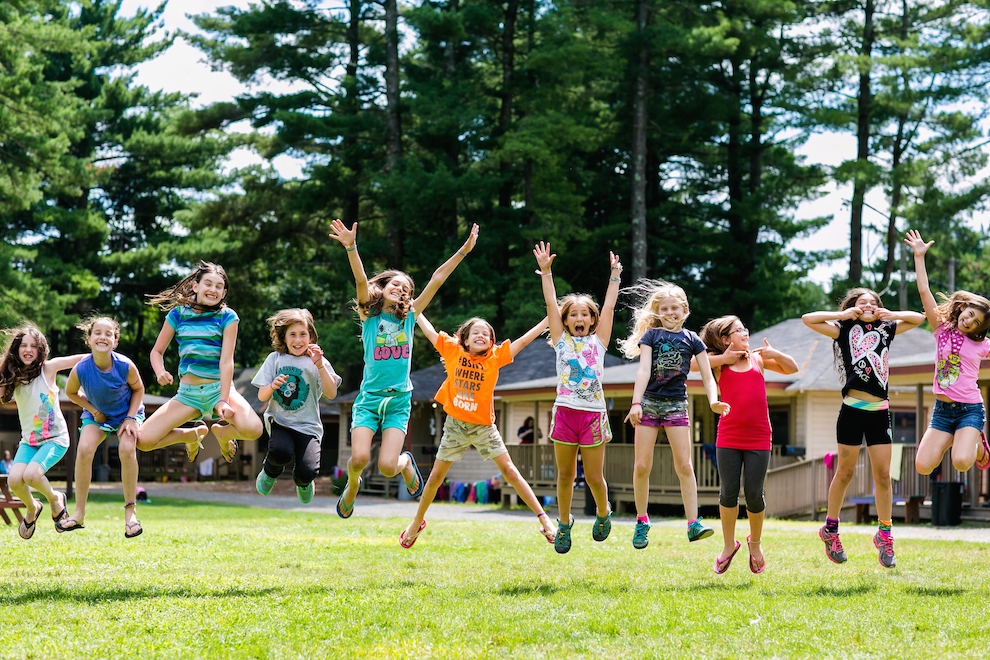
{"points": [[664, 412], [458, 436]]}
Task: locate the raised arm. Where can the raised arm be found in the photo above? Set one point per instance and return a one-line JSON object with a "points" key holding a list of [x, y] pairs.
{"points": [[905, 320], [774, 360], [55, 365], [639, 387], [441, 274], [821, 322], [527, 338], [604, 330], [711, 388], [544, 259], [920, 248], [348, 238], [428, 329], [328, 384]]}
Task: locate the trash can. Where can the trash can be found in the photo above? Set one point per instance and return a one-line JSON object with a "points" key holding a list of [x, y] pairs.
{"points": [[590, 508], [102, 474], [947, 497], [404, 495]]}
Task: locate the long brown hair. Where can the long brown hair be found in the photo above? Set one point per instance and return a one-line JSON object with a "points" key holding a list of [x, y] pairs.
{"points": [[182, 294], [13, 371], [954, 305], [376, 299], [464, 332], [715, 332], [848, 301], [280, 322]]}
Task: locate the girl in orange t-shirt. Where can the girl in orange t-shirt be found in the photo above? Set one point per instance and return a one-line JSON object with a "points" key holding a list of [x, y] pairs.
{"points": [[472, 361]]}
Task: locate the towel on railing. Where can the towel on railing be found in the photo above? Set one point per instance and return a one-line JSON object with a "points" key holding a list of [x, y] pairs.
{"points": [[830, 460], [896, 454], [710, 453]]}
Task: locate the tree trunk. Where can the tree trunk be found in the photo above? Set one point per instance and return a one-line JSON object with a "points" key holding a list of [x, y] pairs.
{"points": [[864, 110], [505, 111], [897, 154], [352, 197], [394, 232], [641, 94]]}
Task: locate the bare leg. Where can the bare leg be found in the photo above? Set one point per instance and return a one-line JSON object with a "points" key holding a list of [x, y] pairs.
{"points": [[89, 440], [244, 424], [128, 476], [594, 477], [848, 455], [34, 476], [932, 447], [361, 438], [161, 429], [880, 465], [645, 440], [728, 516], [756, 534], [437, 475], [511, 474], [966, 446], [15, 480], [680, 445], [566, 457]]}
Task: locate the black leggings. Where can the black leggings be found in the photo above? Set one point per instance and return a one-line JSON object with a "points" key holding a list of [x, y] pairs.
{"points": [[730, 463], [286, 443]]}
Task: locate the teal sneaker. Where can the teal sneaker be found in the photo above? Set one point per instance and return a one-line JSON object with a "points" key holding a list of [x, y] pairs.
{"points": [[602, 527], [562, 542], [305, 493], [265, 483], [697, 531], [640, 539]]}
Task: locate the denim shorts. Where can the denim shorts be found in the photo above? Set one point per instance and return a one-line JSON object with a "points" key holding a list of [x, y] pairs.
{"points": [[388, 409], [664, 412], [950, 417], [47, 454], [203, 398]]}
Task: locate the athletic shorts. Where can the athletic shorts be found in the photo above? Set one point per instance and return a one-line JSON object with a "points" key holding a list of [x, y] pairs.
{"points": [[582, 428], [388, 409], [854, 424], [950, 417], [664, 412], [458, 436], [108, 426], [203, 398], [47, 454]]}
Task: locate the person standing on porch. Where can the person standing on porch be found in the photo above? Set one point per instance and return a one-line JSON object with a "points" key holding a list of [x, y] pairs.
{"points": [[665, 348], [862, 331]]}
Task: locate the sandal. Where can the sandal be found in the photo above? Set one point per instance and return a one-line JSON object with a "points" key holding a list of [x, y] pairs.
{"points": [[128, 534], [231, 451], [415, 489], [191, 454], [756, 566], [603, 526], [408, 541], [69, 525], [343, 510], [548, 530], [721, 566], [26, 529], [61, 515]]}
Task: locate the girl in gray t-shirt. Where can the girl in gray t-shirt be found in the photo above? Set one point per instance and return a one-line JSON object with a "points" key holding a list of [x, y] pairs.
{"points": [[292, 380]]}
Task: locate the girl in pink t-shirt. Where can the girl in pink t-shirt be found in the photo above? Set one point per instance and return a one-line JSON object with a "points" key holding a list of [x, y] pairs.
{"points": [[961, 323], [744, 438]]}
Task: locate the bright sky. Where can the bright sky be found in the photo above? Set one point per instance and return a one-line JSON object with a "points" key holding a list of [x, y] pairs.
{"points": [[182, 68]]}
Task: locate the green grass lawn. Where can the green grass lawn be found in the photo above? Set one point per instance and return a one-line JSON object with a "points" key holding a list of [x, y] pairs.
{"points": [[207, 581]]}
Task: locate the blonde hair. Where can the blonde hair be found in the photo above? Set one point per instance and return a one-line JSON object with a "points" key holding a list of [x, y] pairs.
{"points": [[714, 333], [280, 322], [648, 294], [954, 305], [568, 301]]}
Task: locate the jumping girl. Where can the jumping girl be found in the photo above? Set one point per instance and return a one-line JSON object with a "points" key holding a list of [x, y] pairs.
{"points": [[108, 387], [206, 330], [28, 376], [863, 331], [580, 336], [744, 437], [388, 311], [665, 349], [292, 380], [961, 323], [472, 361]]}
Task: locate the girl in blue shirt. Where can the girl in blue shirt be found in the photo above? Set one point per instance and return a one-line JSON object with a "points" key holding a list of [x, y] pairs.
{"points": [[206, 330], [388, 312]]}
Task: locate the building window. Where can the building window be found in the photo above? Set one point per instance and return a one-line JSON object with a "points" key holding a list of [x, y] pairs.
{"points": [[904, 426], [780, 422]]}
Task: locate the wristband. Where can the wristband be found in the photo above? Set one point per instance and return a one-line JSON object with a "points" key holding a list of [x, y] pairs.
{"points": [[461, 253], [222, 401], [542, 274], [352, 248], [635, 403], [615, 279], [133, 419]]}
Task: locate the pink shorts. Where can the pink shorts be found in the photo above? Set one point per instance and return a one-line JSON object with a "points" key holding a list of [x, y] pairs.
{"points": [[583, 428]]}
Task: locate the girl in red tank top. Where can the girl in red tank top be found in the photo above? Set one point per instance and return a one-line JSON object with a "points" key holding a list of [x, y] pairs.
{"points": [[743, 441]]}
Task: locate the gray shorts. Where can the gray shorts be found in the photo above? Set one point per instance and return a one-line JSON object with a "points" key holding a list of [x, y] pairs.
{"points": [[458, 436]]}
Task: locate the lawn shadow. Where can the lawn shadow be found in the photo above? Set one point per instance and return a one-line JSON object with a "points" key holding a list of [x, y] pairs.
{"points": [[936, 591], [529, 589], [92, 596], [842, 592], [719, 586]]}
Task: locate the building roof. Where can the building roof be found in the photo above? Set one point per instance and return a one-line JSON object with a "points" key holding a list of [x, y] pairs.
{"points": [[536, 361], [812, 351]]}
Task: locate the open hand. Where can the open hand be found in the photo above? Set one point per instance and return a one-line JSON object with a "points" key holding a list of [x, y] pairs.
{"points": [[471, 241], [315, 354], [917, 243], [339, 232], [544, 258]]}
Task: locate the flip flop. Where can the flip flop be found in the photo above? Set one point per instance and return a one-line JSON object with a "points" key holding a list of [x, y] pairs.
{"points": [[722, 566], [754, 565], [128, 534], [347, 512], [68, 525], [26, 529], [418, 490], [409, 542], [61, 515], [985, 463]]}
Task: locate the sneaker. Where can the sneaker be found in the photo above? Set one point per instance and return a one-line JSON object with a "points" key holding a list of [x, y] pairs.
{"points": [[886, 548], [833, 546], [640, 539], [305, 493], [265, 483], [602, 527], [697, 531], [562, 542]]}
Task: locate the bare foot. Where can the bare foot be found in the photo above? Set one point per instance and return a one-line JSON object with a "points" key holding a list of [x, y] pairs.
{"points": [[223, 432]]}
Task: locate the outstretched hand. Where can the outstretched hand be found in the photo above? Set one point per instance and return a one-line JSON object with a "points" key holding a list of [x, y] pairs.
{"points": [[917, 243], [721, 407], [613, 261], [471, 241], [544, 259], [340, 232]]}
